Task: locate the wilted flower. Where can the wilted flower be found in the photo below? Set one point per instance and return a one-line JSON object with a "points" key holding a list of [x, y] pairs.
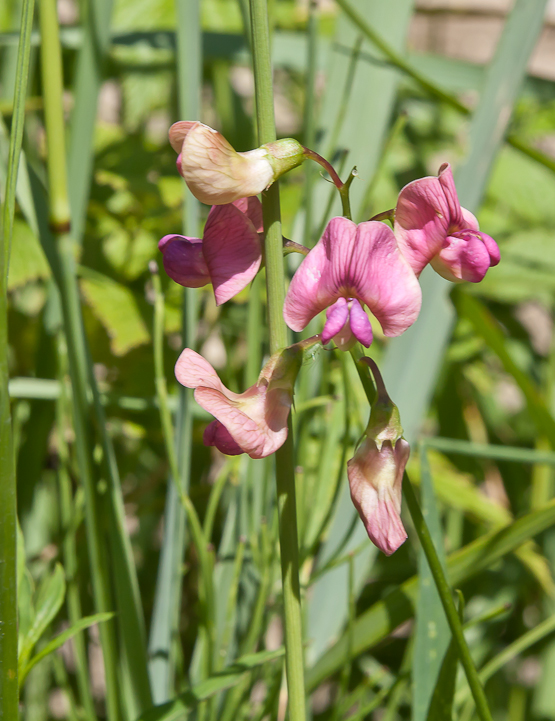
{"points": [[351, 266], [376, 472], [217, 174], [253, 422], [431, 227], [228, 256]]}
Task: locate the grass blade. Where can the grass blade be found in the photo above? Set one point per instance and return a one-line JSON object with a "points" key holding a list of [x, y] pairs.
{"points": [[9, 696]]}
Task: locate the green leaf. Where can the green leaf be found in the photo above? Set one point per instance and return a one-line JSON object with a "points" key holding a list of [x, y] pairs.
{"points": [[116, 308], [230, 676], [49, 599], [60, 639], [27, 261]]}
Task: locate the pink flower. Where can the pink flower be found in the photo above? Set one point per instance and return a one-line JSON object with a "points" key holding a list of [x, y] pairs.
{"points": [[376, 471], [352, 266], [253, 422], [431, 227], [217, 174], [375, 479], [228, 256]]}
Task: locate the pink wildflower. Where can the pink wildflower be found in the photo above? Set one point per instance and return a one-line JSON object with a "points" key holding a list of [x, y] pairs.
{"points": [[376, 472], [228, 256], [352, 266], [432, 227], [217, 174], [253, 422]]}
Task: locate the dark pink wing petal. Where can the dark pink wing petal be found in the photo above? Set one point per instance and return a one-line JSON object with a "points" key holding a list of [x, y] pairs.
{"points": [[216, 434], [184, 260], [231, 250], [465, 257], [360, 324], [337, 316]]}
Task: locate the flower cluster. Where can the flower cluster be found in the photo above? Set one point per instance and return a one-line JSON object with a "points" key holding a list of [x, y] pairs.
{"points": [[351, 269]]}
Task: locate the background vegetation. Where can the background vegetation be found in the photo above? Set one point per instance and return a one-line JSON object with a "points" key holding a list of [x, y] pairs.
{"points": [[194, 588]]}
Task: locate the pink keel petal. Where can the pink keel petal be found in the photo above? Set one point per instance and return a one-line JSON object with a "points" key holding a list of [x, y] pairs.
{"points": [[465, 257], [337, 315], [360, 324], [216, 434], [231, 249], [184, 260]]}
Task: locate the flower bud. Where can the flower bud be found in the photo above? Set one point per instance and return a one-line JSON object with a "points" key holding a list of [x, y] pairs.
{"points": [[184, 260], [376, 472]]}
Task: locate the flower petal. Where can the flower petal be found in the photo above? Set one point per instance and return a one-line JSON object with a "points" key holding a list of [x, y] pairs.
{"points": [[252, 208], [423, 217], [375, 479], [184, 260], [255, 439], [231, 249], [192, 371], [360, 324], [465, 257], [216, 174], [178, 132], [216, 434], [337, 315]]}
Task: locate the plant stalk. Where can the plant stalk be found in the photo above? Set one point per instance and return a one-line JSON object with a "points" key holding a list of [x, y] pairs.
{"points": [[275, 285]]}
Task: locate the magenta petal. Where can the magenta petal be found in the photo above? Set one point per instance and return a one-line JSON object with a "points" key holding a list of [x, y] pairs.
{"points": [[337, 315], [231, 249], [465, 257], [493, 249], [252, 208], [216, 434], [184, 260], [447, 182], [360, 324]]}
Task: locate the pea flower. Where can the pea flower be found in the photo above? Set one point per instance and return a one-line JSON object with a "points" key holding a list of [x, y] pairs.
{"points": [[228, 255], [432, 227], [376, 472], [216, 174], [253, 422], [352, 266]]}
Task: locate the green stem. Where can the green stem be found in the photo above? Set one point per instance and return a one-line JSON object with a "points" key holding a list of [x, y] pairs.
{"points": [[275, 285], [9, 682], [51, 63], [447, 601]]}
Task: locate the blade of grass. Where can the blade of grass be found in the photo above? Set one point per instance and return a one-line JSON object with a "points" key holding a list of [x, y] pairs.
{"points": [[386, 615], [165, 615], [9, 696], [65, 265], [432, 635]]}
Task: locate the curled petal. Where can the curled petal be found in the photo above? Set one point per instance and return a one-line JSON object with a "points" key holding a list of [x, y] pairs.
{"points": [[375, 480], [184, 260], [337, 315], [360, 324], [231, 250], [351, 261], [465, 257], [216, 174], [178, 133], [216, 434]]}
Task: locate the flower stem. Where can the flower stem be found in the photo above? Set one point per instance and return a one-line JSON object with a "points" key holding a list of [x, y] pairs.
{"points": [[275, 282], [447, 601]]}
